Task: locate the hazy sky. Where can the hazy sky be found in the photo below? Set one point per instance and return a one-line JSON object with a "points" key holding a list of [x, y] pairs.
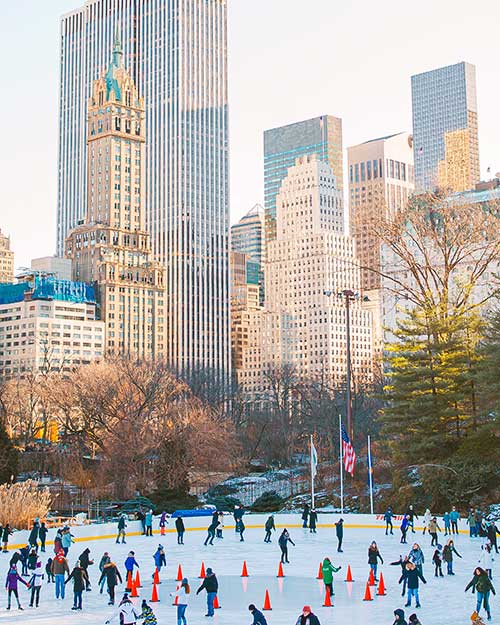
{"points": [[289, 60]]}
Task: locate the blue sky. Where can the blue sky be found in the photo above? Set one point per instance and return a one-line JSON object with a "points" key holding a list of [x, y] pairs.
{"points": [[289, 60]]}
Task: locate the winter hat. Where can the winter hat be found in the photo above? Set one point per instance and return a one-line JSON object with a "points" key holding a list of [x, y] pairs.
{"points": [[399, 613], [307, 609], [209, 571], [185, 581], [38, 564]]}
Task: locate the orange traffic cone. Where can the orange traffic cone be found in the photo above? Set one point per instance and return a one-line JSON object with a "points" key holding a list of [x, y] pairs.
{"points": [[320, 572], [328, 600], [176, 600], [202, 574], [154, 594], [368, 594], [138, 579], [129, 582], [217, 605], [280, 571], [162, 531], [349, 574], [156, 577], [267, 601], [381, 586], [371, 579], [134, 592], [244, 571], [180, 576]]}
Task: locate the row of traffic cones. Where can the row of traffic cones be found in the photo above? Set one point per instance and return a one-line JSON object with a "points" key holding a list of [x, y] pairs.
{"points": [[348, 576], [380, 590]]}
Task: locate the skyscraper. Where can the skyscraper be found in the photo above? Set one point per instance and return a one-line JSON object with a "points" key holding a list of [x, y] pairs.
{"points": [[176, 52], [283, 145], [6, 259], [112, 249], [247, 236], [445, 134]]}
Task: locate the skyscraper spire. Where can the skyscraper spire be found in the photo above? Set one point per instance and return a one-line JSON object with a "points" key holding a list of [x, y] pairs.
{"points": [[117, 49]]}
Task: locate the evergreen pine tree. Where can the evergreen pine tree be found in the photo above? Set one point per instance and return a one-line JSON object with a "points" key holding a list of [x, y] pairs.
{"points": [[8, 456]]}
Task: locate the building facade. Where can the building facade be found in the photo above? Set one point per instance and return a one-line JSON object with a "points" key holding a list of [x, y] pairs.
{"points": [[311, 260], [445, 128], [6, 259], [282, 146], [381, 178], [248, 237], [176, 52], [53, 265], [112, 248], [48, 324]]}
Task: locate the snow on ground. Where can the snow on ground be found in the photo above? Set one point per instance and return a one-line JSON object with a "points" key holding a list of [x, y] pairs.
{"points": [[443, 600]]}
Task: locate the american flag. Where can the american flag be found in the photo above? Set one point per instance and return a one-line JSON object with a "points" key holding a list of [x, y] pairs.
{"points": [[348, 453]]}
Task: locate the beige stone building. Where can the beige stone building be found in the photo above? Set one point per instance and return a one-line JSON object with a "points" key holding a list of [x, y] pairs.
{"points": [[6, 259], [112, 248], [309, 263], [457, 169]]}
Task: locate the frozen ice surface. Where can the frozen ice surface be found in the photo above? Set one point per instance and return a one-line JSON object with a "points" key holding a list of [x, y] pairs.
{"points": [[443, 599]]}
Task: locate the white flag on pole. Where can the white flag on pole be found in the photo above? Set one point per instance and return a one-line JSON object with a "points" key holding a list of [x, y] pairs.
{"points": [[314, 460]]}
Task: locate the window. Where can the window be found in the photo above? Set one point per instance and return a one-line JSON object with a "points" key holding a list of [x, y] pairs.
{"points": [[363, 172], [375, 169], [356, 172], [369, 170]]}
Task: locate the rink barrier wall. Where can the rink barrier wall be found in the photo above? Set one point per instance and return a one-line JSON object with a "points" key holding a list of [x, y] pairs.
{"points": [[90, 532]]}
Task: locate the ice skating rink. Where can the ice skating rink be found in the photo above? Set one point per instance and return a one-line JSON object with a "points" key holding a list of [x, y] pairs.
{"points": [[443, 599]]}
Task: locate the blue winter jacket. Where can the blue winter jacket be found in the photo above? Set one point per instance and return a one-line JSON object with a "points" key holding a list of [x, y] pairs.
{"points": [[130, 562]]}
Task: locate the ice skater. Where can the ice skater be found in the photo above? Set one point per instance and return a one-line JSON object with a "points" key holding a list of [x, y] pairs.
{"points": [[180, 529], [388, 520], [307, 617], [454, 518], [111, 575], [80, 580], [416, 556], [373, 557], [313, 518], [427, 518], [412, 576], [269, 527], [183, 595], [11, 586], [436, 559], [404, 528], [211, 530], [305, 515], [211, 586], [36, 585], [42, 535], [448, 551], [122, 524], [163, 522], [147, 615], [399, 617], [127, 613], [339, 531], [105, 559], [482, 586], [220, 527], [240, 527], [328, 570], [258, 617], [159, 558], [486, 560], [433, 528], [283, 541]]}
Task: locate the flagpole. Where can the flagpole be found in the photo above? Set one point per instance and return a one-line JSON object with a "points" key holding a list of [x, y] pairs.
{"points": [[312, 474], [341, 460], [370, 474]]}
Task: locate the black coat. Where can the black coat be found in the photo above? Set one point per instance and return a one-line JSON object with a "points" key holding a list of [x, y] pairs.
{"points": [[85, 559], [179, 525], [112, 575], [79, 577], [373, 556], [305, 513], [310, 619], [258, 618], [339, 529], [270, 524], [412, 576], [210, 584], [313, 517]]}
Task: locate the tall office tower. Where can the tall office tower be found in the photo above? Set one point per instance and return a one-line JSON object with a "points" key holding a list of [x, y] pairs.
{"points": [[302, 325], [445, 135], [248, 237], [112, 248], [380, 182], [6, 259], [176, 52], [282, 146]]}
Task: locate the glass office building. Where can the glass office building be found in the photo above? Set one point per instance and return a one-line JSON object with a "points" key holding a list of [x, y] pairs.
{"points": [[283, 145], [445, 134], [176, 52]]}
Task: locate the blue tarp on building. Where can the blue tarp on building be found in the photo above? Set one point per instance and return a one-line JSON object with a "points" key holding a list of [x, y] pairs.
{"points": [[48, 288]]}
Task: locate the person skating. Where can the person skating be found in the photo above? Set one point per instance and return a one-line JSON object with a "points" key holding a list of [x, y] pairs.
{"points": [[482, 586], [388, 515], [258, 617], [130, 563], [147, 615], [59, 568], [240, 528], [437, 560], [416, 556], [163, 522], [180, 529], [58, 542], [305, 515], [6, 533], [412, 576], [454, 518], [12, 584], [48, 571], [283, 541], [471, 522], [85, 562], [328, 570], [402, 562], [238, 516], [32, 559], [447, 523], [269, 527], [413, 620], [492, 531], [426, 519], [211, 586], [142, 518], [404, 528], [36, 585], [24, 552], [339, 531], [183, 595], [307, 617], [66, 540], [148, 522], [410, 513], [399, 617], [159, 558], [105, 559], [111, 575], [80, 580], [220, 527], [42, 535], [127, 613], [448, 551], [373, 557], [433, 528], [486, 560], [211, 530], [33, 537], [313, 518], [122, 524]]}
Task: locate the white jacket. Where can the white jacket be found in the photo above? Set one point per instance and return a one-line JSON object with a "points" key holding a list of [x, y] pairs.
{"points": [[183, 596], [128, 612], [427, 518], [486, 560], [36, 579]]}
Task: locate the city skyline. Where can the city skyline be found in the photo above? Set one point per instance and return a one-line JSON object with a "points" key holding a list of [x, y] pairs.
{"points": [[30, 210]]}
